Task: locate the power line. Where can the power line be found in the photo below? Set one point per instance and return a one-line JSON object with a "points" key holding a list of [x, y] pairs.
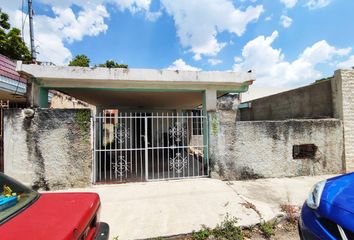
{"points": [[53, 50]]}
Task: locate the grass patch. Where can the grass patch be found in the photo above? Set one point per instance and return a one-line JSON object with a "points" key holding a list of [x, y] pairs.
{"points": [[226, 230], [267, 228]]}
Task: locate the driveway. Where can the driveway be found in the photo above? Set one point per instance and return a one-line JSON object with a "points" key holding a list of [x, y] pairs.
{"points": [[152, 209]]}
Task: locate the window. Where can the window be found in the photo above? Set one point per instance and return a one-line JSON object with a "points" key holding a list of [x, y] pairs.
{"points": [[304, 151]]}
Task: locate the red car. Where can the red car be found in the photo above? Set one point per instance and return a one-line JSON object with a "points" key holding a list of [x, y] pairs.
{"points": [[27, 214]]}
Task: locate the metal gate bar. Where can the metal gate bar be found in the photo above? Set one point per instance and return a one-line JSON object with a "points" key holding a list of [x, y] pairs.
{"points": [[149, 146]]}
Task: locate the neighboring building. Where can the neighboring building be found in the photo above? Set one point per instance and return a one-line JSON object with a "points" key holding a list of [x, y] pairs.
{"points": [[60, 100], [12, 94], [12, 85]]}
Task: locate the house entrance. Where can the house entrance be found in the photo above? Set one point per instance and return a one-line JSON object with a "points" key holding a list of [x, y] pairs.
{"points": [[149, 146]]}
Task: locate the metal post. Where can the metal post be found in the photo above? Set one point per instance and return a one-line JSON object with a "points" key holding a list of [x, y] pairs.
{"points": [[30, 15], [146, 150]]}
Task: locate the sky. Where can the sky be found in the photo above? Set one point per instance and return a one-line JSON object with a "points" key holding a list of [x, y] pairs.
{"points": [[287, 43]]}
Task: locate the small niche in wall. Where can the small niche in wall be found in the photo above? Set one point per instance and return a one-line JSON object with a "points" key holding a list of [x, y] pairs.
{"points": [[304, 151]]}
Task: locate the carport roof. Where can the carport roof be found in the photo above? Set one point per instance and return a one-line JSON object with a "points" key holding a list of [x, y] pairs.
{"points": [[118, 78]]}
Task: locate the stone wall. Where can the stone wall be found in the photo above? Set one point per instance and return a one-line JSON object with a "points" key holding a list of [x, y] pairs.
{"points": [[257, 149], [49, 150], [343, 102], [313, 101]]}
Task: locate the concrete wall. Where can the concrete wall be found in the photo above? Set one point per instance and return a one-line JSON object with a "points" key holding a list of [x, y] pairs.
{"points": [[62, 101], [343, 102], [313, 101], [257, 149], [49, 150]]}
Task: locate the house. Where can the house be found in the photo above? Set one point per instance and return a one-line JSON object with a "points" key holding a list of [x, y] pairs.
{"points": [[146, 124], [149, 125]]}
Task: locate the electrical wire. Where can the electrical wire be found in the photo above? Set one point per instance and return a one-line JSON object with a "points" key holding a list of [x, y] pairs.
{"points": [[55, 51]]}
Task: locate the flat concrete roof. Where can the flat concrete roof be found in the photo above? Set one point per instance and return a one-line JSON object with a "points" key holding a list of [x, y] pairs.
{"points": [[119, 78]]}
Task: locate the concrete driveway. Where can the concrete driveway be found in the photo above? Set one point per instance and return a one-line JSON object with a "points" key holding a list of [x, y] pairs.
{"points": [[143, 210]]}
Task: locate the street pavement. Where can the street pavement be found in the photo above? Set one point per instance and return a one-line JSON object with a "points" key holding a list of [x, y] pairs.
{"points": [[165, 208]]}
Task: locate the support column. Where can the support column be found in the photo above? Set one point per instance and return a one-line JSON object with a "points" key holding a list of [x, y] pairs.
{"points": [[209, 111], [43, 97], [343, 99], [37, 96], [210, 99]]}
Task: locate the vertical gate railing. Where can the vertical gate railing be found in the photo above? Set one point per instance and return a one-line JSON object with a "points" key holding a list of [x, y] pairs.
{"points": [[149, 146], [3, 105]]}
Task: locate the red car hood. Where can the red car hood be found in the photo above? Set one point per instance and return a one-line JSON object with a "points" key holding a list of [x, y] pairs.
{"points": [[53, 216]]}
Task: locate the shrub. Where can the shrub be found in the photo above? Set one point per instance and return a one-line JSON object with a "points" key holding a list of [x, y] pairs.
{"points": [[226, 230], [267, 229]]}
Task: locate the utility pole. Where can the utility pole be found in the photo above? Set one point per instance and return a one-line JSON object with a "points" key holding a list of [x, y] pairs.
{"points": [[30, 15]]}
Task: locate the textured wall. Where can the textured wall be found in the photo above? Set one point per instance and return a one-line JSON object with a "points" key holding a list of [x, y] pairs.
{"points": [[313, 101], [50, 150], [343, 102], [63, 101], [245, 150]]}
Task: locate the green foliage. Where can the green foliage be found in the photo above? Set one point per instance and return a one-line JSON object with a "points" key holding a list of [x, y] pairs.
{"points": [[82, 117], [11, 43], [113, 64], [226, 230], [214, 125], [80, 60], [202, 234], [4, 20], [267, 228]]}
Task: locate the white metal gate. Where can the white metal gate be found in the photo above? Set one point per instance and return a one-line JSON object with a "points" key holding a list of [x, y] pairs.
{"points": [[149, 146]]}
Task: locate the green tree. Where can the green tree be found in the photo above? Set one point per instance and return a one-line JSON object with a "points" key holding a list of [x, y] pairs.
{"points": [[80, 60], [11, 43], [113, 64]]}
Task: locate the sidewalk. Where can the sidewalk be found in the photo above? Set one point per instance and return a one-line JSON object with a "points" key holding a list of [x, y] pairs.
{"points": [[143, 210]]}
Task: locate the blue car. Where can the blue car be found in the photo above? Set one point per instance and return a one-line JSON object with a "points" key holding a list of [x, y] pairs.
{"points": [[328, 213]]}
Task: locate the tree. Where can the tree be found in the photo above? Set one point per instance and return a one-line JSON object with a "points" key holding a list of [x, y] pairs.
{"points": [[113, 64], [80, 60], [11, 43]]}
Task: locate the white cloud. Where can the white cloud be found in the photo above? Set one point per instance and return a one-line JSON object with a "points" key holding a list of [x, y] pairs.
{"points": [[198, 23], [238, 59], [271, 68], [131, 5], [347, 64], [53, 33], [268, 18], [289, 3], [89, 22], [315, 4], [179, 64], [214, 61], [285, 21], [321, 51]]}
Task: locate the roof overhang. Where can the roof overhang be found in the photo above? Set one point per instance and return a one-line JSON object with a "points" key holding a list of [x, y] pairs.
{"points": [[118, 78]]}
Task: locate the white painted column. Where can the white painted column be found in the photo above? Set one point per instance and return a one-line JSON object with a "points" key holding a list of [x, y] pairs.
{"points": [[210, 100]]}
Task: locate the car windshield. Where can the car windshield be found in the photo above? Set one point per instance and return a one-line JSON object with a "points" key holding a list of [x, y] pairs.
{"points": [[14, 196]]}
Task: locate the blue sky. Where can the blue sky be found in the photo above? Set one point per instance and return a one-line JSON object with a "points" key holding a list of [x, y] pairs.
{"points": [[286, 42]]}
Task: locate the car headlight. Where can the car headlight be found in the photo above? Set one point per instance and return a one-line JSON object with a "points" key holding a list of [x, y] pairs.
{"points": [[313, 201]]}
